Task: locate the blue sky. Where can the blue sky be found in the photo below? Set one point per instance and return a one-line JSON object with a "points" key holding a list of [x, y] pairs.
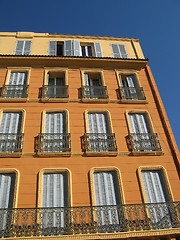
{"points": [[156, 23]]}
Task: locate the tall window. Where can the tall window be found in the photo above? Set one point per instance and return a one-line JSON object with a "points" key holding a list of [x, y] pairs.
{"points": [[55, 86], [54, 136], [93, 87], [10, 132], [7, 186], [17, 85], [73, 48], [106, 190], [141, 136], [157, 195], [119, 51], [23, 47], [98, 136], [55, 201], [129, 88]]}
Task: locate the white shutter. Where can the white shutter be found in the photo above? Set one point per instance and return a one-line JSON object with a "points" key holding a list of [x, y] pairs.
{"points": [[77, 48], [115, 50], [97, 123], [19, 47], [97, 48], [55, 122], [11, 122], [7, 183], [52, 48], [122, 51], [27, 47], [68, 49], [18, 78], [23, 47]]}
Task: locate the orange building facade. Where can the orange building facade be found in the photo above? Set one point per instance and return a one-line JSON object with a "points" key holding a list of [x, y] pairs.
{"points": [[86, 148]]}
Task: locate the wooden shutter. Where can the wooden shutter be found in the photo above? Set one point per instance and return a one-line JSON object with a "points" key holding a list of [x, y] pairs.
{"points": [[27, 47], [115, 50], [11, 122], [19, 47], [52, 48], [23, 47], [71, 48], [97, 48], [7, 184]]}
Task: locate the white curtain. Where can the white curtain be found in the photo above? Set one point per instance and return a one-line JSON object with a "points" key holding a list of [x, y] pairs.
{"points": [[97, 123], [55, 122], [138, 123]]}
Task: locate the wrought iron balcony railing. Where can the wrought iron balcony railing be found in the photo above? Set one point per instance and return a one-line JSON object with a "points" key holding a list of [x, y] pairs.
{"points": [[53, 142], [54, 91], [132, 93], [94, 92], [143, 142], [99, 142], [14, 91], [11, 142], [82, 220]]}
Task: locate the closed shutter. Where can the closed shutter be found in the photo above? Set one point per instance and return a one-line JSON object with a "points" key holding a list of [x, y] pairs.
{"points": [[157, 196], [122, 51], [115, 49], [97, 48], [107, 194], [7, 186], [23, 47], [138, 123], [55, 122], [11, 122], [55, 195], [97, 123], [119, 51], [18, 78], [52, 51]]}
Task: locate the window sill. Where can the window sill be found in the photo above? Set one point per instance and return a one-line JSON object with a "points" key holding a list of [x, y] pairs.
{"points": [[10, 154], [133, 101], [94, 100], [53, 154], [146, 153], [99, 154], [13, 99], [54, 100]]}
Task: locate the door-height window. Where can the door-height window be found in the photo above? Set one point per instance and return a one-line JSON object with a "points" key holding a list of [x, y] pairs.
{"points": [[90, 50], [119, 51], [107, 197], [142, 138], [157, 196], [23, 47], [55, 86], [56, 48], [54, 137], [16, 86], [98, 136], [129, 88], [11, 132], [7, 192], [55, 200]]}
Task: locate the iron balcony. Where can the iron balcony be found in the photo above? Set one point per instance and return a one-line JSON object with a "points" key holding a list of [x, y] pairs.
{"points": [[54, 91], [132, 93], [94, 92], [53, 142], [99, 142], [11, 142], [143, 142], [14, 91], [130, 218]]}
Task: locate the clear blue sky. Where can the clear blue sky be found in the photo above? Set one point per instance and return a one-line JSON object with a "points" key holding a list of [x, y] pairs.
{"points": [[156, 23]]}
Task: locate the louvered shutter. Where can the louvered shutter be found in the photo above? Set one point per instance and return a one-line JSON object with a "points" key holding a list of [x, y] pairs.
{"points": [[27, 47], [55, 122], [68, 49], [97, 48], [156, 192], [52, 48], [106, 194], [11, 122], [122, 51], [115, 49], [7, 185], [77, 48], [19, 47], [55, 195]]}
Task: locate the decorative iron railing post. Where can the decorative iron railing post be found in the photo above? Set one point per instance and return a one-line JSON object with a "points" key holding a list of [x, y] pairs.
{"points": [[11, 142], [55, 91], [98, 92], [132, 93], [14, 91]]}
